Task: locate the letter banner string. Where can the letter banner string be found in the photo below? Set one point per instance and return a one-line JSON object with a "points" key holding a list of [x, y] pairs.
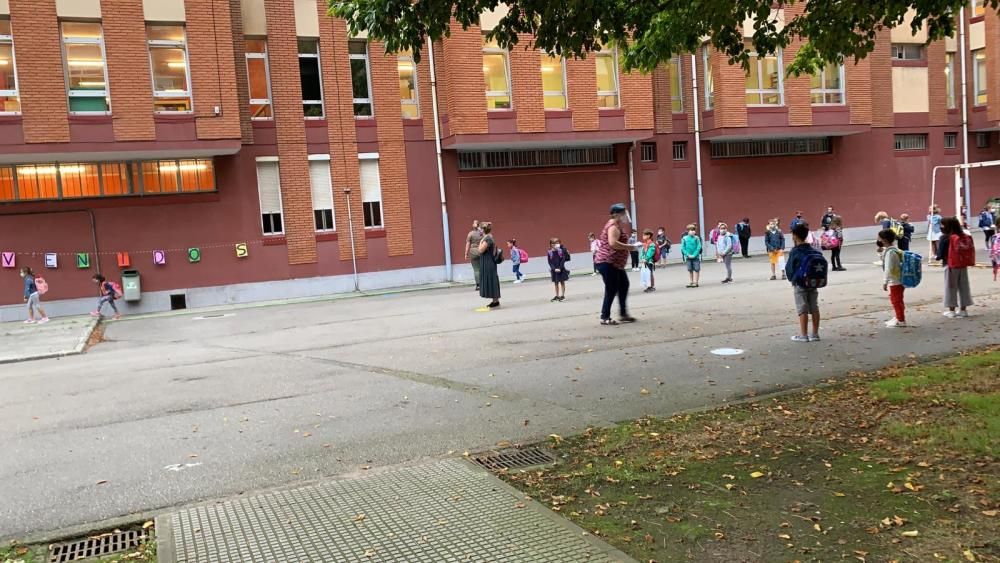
{"points": [[183, 251]]}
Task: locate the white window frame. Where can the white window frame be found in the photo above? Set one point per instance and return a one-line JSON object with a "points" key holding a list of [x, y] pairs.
{"points": [[613, 55], [707, 78], [899, 51], [949, 73], [676, 69], [260, 202], [975, 79], [15, 93], [324, 159], [319, 76], [823, 90], [373, 156], [415, 102], [106, 92], [760, 91], [267, 77], [488, 50], [167, 44], [556, 93], [368, 76]]}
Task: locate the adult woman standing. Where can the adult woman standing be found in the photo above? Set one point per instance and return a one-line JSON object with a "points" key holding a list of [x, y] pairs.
{"points": [[611, 258], [489, 279]]}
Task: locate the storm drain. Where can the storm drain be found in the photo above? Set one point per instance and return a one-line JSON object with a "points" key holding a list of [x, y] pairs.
{"points": [[515, 458], [96, 546]]}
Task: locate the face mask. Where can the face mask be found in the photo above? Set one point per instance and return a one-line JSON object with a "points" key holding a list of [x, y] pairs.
{"points": [[723, 231], [626, 219], [23, 274], [557, 245]]}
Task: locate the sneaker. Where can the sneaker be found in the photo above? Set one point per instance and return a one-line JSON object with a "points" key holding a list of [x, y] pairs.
{"points": [[895, 323], [800, 338], [562, 298], [774, 278], [814, 338], [43, 320], [783, 278], [554, 299], [118, 316], [594, 274], [518, 281], [962, 314], [29, 321], [949, 314], [98, 313]]}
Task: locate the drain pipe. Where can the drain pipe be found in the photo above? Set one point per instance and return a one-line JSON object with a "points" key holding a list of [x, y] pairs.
{"points": [[631, 184], [965, 115], [354, 252], [697, 152], [445, 229]]}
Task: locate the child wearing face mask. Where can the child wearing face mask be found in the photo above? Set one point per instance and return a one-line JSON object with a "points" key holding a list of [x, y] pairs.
{"points": [[32, 298], [724, 248], [558, 256]]}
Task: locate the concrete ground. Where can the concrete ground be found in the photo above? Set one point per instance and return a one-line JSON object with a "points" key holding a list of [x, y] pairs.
{"points": [[176, 409], [54, 339]]}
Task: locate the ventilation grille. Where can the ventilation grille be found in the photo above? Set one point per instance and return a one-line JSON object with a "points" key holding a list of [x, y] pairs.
{"points": [[535, 158], [514, 459], [770, 147], [96, 546]]}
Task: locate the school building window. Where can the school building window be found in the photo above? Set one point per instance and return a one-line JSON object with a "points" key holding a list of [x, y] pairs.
{"points": [[168, 62], [951, 140], [496, 75], [907, 51], [676, 85], [949, 78], [554, 81], [86, 72], [911, 142], [259, 79], [10, 101], [361, 78], [979, 77], [978, 8], [310, 78], [322, 192], [77, 180], [269, 190], [607, 78], [982, 140], [408, 99], [764, 80], [828, 86], [680, 150], [371, 193], [706, 59], [647, 152]]}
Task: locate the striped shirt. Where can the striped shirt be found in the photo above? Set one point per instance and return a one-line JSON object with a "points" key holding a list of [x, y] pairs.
{"points": [[607, 255]]}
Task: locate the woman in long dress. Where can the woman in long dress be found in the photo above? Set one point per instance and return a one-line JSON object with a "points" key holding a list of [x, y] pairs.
{"points": [[489, 279]]}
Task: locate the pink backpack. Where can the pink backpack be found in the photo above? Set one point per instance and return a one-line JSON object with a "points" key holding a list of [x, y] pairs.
{"points": [[41, 285], [523, 254]]}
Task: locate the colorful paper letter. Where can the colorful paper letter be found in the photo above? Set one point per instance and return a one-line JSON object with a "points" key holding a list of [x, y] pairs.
{"points": [[82, 260], [159, 257], [7, 258], [241, 250], [194, 255], [51, 260], [124, 260]]}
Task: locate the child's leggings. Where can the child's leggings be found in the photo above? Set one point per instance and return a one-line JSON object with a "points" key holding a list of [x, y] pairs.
{"points": [[896, 298], [106, 299]]}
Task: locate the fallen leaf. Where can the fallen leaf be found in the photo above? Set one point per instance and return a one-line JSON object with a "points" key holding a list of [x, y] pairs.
{"points": [[839, 495], [910, 533], [969, 556], [756, 474], [785, 536], [147, 525], [519, 505], [556, 438], [644, 391], [102, 482], [990, 513], [306, 434], [359, 518]]}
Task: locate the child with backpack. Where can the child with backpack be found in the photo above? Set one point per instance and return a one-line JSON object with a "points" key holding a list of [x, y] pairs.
{"points": [[806, 270], [903, 242], [647, 257], [558, 256], [892, 270], [957, 252], [663, 244], [517, 257], [110, 291], [774, 242], [725, 247], [34, 286], [691, 254], [995, 254]]}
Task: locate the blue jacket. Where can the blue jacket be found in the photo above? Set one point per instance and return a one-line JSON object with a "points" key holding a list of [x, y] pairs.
{"points": [[515, 256], [29, 286], [795, 257], [774, 240], [985, 220]]}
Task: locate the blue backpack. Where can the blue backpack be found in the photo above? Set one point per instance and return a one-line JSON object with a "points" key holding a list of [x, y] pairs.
{"points": [[910, 269], [811, 273]]}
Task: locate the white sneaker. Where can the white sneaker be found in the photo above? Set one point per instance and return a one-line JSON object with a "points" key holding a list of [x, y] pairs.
{"points": [[518, 281], [814, 338], [43, 320], [962, 314], [29, 321], [895, 323], [949, 314], [800, 338]]}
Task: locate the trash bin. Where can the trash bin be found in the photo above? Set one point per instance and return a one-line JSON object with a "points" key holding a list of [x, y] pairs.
{"points": [[130, 285]]}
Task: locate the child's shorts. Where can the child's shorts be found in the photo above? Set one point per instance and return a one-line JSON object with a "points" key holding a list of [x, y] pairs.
{"points": [[806, 301], [694, 265], [774, 255]]}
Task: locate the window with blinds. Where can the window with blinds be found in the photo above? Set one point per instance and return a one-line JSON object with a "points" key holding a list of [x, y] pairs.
{"points": [[269, 188], [322, 193], [371, 193]]}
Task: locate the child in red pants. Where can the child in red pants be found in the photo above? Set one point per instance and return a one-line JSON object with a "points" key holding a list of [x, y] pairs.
{"points": [[892, 262]]}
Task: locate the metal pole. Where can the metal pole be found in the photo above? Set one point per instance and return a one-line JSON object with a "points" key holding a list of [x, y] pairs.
{"points": [[445, 229], [958, 190], [697, 151], [965, 110], [631, 184], [354, 253]]}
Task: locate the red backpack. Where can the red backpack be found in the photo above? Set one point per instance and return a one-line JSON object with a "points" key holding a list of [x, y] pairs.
{"points": [[523, 255], [961, 251], [41, 285]]}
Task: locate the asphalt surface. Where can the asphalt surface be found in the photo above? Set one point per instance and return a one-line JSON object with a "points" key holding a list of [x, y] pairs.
{"points": [[181, 408]]}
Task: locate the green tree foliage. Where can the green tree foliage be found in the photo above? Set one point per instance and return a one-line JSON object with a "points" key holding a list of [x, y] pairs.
{"points": [[648, 32]]}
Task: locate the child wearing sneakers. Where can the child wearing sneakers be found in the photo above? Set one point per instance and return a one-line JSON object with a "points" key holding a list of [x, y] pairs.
{"points": [[515, 259], [32, 298], [647, 258], [774, 242], [995, 254], [892, 264], [108, 295], [558, 256], [691, 254], [806, 298]]}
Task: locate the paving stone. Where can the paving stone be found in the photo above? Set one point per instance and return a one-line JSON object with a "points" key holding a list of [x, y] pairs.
{"points": [[441, 511]]}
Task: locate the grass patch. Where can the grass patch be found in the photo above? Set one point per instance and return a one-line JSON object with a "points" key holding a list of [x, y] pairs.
{"points": [[898, 465]]}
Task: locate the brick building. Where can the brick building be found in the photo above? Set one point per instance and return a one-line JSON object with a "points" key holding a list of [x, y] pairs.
{"points": [[134, 130]]}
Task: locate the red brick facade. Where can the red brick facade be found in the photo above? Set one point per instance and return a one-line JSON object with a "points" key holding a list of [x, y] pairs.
{"points": [[41, 83], [213, 68], [129, 83], [526, 83]]}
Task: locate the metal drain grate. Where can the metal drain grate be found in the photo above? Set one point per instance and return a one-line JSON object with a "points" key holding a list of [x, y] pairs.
{"points": [[515, 458], [96, 546]]}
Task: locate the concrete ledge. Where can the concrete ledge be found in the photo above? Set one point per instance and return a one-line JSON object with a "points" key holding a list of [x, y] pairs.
{"points": [[55, 339]]}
